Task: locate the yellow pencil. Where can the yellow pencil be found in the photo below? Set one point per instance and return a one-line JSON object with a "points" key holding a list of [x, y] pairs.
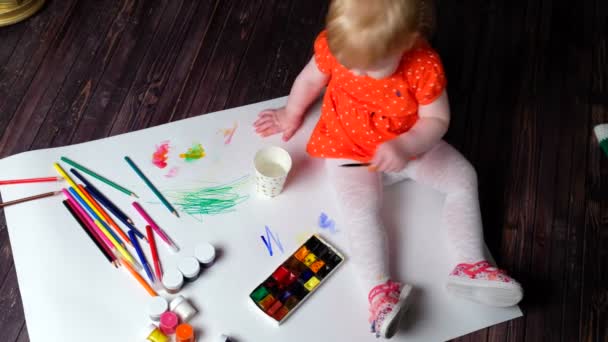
{"points": [[118, 246], [105, 215]]}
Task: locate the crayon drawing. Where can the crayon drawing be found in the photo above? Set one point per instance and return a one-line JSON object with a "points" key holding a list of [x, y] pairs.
{"points": [[327, 224], [268, 243], [194, 153], [160, 156], [211, 200], [172, 172], [229, 133]]}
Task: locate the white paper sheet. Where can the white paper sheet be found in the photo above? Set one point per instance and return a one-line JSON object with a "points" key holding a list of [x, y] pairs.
{"points": [[71, 293]]}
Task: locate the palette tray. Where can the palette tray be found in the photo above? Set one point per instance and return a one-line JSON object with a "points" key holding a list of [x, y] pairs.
{"points": [[296, 279]]}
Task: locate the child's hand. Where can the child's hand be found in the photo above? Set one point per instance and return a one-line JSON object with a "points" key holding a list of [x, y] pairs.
{"points": [[273, 121], [390, 157]]}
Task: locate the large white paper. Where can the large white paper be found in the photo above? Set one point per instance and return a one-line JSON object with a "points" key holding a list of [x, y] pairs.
{"points": [[71, 293]]}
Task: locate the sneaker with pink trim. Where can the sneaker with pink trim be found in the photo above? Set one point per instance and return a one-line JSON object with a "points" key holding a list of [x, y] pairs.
{"points": [[388, 302], [485, 284]]}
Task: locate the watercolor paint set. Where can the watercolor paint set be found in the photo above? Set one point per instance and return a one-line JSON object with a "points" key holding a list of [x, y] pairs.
{"points": [[296, 279]]}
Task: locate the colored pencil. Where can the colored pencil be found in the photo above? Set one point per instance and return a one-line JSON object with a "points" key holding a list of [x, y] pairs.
{"points": [[105, 215], [106, 230], [155, 259], [140, 280], [102, 198], [31, 180], [87, 218], [356, 165], [141, 255], [99, 177], [151, 186], [84, 227], [94, 215], [154, 226], [31, 198]]}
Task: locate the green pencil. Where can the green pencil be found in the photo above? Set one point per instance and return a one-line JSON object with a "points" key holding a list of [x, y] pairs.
{"points": [[99, 177], [151, 186]]}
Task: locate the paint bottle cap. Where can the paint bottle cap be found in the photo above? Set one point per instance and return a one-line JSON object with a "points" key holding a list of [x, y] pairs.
{"points": [[205, 253], [173, 280], [184, 333], [189, 267], [183, 308], [156, 307], [168, 322], [153, 334]]}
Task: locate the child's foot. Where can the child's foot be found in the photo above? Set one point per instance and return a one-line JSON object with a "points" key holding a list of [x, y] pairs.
{"points": [[388, 302], [482, 283]]}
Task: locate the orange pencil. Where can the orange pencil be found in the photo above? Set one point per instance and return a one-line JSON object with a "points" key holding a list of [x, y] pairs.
{"points": [[104, 215], [139, 279]]}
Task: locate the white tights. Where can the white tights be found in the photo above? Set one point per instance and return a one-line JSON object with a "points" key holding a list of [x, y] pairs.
{"points": [[359, 194]]}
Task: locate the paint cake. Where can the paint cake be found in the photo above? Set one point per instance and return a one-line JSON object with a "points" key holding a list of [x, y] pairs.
{"points": [[296, 279]]}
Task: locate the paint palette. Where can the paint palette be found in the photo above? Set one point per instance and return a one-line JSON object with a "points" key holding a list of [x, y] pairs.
{"points": [[296, 279]]}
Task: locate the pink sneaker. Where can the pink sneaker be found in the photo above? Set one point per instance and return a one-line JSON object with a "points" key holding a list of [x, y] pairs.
{"points": [[482, 283], [388, 302]]}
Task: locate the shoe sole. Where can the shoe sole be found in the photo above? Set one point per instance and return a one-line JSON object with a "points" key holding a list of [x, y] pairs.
{"points": [[488, 292], [391, 321]]}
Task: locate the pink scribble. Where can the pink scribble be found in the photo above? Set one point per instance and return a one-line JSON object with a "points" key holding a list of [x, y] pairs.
{"points": [[229, 133], [159, 158], [172, 172]]}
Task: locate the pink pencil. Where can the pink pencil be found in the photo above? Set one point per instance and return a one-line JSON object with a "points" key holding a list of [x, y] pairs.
{"points": [[154, 226], [87, 219]]}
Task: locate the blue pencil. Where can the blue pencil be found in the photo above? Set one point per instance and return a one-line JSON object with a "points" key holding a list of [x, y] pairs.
{"points": [[141, 255], [112, 208], [151, 186], [94, 215]]}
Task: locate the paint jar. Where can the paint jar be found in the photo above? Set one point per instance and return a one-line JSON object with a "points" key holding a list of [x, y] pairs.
{"points": [[173, 280], [272, 164], [153, 334], [156, 307], [205, 253], [183, 308], [184, 333], [168, 323], [189, 267]]}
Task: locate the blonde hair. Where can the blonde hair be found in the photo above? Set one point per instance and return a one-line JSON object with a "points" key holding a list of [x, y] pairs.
{"points": [[360, 33]]}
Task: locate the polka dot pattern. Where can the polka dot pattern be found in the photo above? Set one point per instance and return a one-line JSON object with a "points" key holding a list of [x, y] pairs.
{"points": [[359, 112]]}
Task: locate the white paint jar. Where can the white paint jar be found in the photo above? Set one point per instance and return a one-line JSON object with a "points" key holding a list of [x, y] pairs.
{"points": [[173, 280], [189, 267], [205, 253], [156, 307], [183, 308]]}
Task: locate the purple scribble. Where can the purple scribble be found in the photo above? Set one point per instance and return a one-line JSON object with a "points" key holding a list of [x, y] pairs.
{"points": [[326, 223], [172, 172], [268, 243]]}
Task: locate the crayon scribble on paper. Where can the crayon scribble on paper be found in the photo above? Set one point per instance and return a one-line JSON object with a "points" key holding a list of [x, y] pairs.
{"points": [[268, 242], [196, 152], [210, 200], [326, 223], [229, 133], [160, 156], [172, 172]]}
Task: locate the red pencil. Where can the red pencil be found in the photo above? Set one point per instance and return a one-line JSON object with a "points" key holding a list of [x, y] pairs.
{"points": [[31, 180], [157, 269]]}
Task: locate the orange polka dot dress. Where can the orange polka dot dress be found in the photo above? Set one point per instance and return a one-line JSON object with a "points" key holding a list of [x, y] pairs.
{"points": [[359, 112]]}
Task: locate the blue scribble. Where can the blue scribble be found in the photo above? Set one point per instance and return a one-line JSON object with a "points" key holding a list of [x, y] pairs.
{"points": [[268, 243], [326, 223]]}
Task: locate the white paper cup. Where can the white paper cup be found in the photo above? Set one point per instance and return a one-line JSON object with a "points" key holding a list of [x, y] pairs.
{"points": [[272, 164]]}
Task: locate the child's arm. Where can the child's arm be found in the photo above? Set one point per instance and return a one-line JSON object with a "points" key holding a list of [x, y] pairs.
{"points": [[305, 90], [431, 126]]}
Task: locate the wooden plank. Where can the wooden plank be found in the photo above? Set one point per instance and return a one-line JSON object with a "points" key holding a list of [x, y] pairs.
{"points": [[25, 59], [11, 315], [141, 23], [23, 335], [49, 78], [10, 37]]}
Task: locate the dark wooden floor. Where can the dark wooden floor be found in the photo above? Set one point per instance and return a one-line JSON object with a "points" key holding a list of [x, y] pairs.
{"points": [[528, 80]]}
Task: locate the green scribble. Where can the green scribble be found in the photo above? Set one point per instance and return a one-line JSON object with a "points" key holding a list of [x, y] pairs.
{"points": [[212, 200], [196, 152]]}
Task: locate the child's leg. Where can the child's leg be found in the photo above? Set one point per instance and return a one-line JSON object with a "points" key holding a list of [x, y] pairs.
{"points": [[359, 198], [444, 169]]}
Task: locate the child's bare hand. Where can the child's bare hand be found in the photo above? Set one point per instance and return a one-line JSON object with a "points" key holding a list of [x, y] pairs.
{"points": [[390, 157], [273, 121]]}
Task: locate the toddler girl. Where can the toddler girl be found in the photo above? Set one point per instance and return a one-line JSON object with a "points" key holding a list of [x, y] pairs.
{"points": [[386, 105]]}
